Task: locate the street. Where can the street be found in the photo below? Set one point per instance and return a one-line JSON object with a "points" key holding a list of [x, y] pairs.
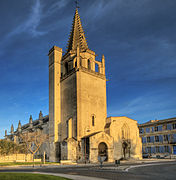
{"points": [[152, 171]]}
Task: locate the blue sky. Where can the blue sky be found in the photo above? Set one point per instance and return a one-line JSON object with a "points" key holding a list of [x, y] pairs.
{"points": [[137, 38]]}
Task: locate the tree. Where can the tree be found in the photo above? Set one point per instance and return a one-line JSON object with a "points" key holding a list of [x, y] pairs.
{"points": [[33, 141]]}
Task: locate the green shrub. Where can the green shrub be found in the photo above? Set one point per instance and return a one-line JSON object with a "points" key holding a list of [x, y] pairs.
{"points": [[9, 147]]}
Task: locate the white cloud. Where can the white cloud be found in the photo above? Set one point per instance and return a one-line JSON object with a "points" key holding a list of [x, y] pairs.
{"points": [[55, 7], [36, 15], [32, 23], [98, 9], [148, 104]]}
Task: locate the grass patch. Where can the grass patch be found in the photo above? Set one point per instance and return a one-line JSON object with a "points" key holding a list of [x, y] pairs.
{"points": [[24, 163], [28, 176]]}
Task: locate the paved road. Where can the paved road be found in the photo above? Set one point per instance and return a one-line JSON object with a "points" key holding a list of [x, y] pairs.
{"points": [[150, 171], [156, 172]]}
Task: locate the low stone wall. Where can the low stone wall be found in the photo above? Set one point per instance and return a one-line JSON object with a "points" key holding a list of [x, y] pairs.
{"points": [[18, 158]]}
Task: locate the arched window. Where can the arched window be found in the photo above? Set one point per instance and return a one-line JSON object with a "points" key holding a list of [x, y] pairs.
{"points": [[89, 64], [67, 130], [93, 120], [66, 67], [125, 132], [96, 68]]}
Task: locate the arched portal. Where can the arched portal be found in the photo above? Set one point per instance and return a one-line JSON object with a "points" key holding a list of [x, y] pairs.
{"points": [[103, 150], [126, 143], [125, 148]]}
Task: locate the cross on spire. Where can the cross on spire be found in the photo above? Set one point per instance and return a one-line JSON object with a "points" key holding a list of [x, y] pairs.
{"points": [[77, 4]]}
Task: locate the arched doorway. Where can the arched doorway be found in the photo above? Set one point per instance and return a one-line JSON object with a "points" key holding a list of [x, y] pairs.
{"points": [[103, 150], [126, 146], [126, 143]]}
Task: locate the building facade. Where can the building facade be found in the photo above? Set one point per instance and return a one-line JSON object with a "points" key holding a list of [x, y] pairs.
{"points": [[78, 127], [159, 138]]}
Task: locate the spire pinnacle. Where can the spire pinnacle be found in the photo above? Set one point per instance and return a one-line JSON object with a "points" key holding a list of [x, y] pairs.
{"points": [[5, 133], [30, 119], [19, 126], [40, 115], [12, 129], [77, 36]]}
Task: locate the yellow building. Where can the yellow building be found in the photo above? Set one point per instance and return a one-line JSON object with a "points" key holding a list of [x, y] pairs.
{"points": [[78, 125]]}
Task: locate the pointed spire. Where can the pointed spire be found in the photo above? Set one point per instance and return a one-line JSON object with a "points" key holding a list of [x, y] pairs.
{"points": [[12, 129], [30, 122], [40, 117], [30, 119], [5, 133], [77, 36], [19, 126]]}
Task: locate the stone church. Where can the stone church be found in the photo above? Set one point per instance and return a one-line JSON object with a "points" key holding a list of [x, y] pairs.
{"points": [[78, 127]]}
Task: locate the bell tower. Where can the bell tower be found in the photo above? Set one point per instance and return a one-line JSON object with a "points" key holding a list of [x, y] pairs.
{"points": [[83, 90], [77, 95]]}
